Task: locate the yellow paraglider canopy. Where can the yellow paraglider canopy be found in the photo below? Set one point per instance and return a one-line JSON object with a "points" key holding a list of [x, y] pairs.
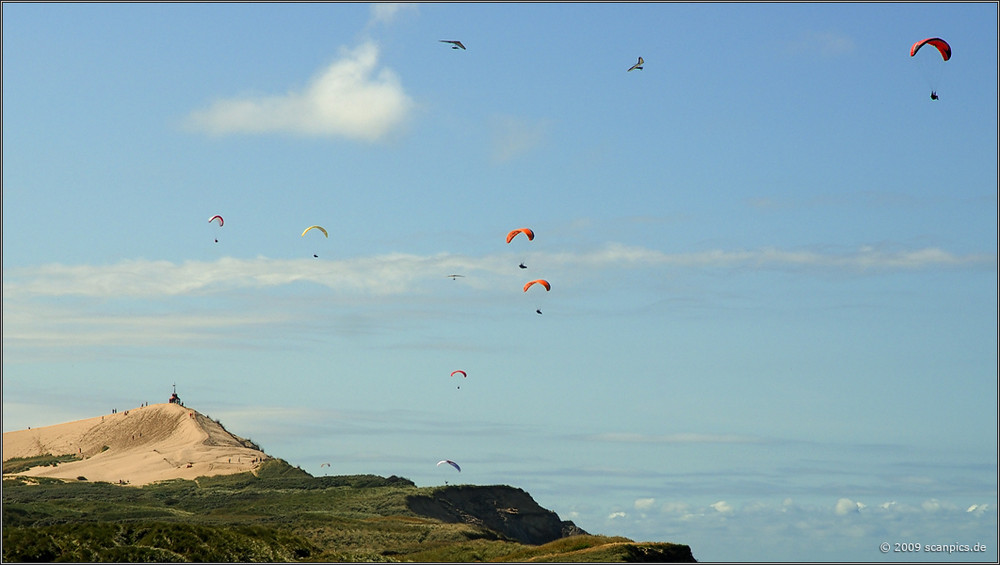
{"points": [[320, 228]]}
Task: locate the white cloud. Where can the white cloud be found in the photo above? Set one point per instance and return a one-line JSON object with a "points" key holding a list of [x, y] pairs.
{"points": [[722, 507], [397, 273], [935, 505], [644, 503], [379, 275], [865, 258], [386, 12], [350, 98], [615, 515], [58, 305], [847, 506], [785, 530]]}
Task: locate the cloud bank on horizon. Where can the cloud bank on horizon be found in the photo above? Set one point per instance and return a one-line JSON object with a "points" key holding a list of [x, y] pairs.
{"points": [[36, 311], [844, 521], [399, 273]]}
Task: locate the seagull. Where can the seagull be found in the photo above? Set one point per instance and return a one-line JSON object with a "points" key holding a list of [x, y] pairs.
{"points": [[637, 65], [454, 44]]}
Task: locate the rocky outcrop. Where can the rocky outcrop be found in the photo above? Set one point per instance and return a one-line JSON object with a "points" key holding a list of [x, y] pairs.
{"points": [[508, 511], [658, 553]]}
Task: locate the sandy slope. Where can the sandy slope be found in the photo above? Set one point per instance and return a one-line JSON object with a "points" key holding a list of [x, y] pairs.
{"points": [[140, 446]]}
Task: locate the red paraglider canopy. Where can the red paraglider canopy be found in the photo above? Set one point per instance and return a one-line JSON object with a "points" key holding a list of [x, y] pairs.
{"points": [[940, 44], [526, 231], [542, 282]]}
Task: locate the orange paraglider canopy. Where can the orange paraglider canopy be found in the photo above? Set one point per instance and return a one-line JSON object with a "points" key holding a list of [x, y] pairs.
{"points": [[525, 231], [542, 282], [936, 42]]}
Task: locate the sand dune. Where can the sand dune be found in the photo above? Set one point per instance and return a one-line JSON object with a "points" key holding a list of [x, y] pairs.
{"points": [[138, 446]]}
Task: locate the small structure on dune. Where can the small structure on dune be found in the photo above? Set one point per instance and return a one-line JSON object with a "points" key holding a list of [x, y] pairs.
{"points": [[174, 399]]}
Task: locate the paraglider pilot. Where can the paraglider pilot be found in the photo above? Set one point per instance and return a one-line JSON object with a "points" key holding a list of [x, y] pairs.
{"points": [[934, 95]]}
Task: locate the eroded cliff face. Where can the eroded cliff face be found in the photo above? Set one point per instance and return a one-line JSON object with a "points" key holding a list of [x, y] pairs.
{"points": [[508, 511]]}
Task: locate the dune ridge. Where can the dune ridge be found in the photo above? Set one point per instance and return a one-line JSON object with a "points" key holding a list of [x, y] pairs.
{"points": [[137, 446]]}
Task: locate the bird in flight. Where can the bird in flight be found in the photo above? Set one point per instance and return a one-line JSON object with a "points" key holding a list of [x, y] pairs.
{"points": [[454, 44], [637, 65]]}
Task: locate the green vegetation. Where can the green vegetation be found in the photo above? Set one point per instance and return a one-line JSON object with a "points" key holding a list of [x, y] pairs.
{"points": [[283, 514], [18, 464], [152, 541]]}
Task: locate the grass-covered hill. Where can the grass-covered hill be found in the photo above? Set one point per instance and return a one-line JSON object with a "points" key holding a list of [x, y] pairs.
{"points": [[283, 514]]}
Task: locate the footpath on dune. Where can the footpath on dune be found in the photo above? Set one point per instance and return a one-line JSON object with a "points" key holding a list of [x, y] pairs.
{"points": [[138, 446]]}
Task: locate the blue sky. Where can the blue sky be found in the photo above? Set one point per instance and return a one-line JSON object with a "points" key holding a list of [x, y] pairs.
{"points": [[772, 328]]}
